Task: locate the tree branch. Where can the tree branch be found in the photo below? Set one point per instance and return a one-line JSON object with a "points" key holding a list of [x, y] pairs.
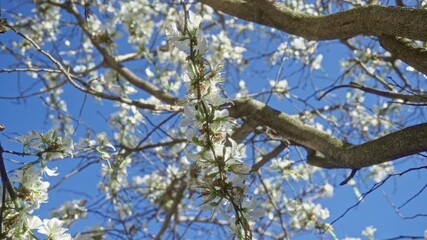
{"points": [[287, 126], [406, 51], [329, 151], [267, 157], [5, 179], [87, 89], [172, 210], [244, 130], [421, 98], [372, 20], [113, 63]]}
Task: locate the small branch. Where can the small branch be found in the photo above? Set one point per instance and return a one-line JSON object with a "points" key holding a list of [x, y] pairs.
{"points": [[374, 76], [4, 178], [89, 90], [47, 89], [18, 153], [405, 97], [266, 158], [203, 220], [276, 208], [405, 237], [413, 197], [353, 172], [172, 210], [48, 55], [112, 62], [397, 209], [162, 144], [36, 70], [319, 111], [373, 188], [74, 172]]}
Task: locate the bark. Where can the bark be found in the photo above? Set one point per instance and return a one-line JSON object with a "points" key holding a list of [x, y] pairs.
{"points": [[327, 151], [406, 51], [371, 20]]}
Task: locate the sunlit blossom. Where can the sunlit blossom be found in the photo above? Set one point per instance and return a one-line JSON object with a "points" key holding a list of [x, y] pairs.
{"points": [[53, 229]]}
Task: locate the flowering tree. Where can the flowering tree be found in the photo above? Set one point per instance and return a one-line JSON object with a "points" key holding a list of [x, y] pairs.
{"points": [[227, 117]]}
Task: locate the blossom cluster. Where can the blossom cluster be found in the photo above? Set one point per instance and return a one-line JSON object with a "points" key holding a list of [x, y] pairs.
{"points": [[218, 169], [48, 145], [28, 189]]}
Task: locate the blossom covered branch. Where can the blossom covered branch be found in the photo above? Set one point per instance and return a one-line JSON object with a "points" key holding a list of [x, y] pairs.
{"points": [[28, 190], [219, 162]]}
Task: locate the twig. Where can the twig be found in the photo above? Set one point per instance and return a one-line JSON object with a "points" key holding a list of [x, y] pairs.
{"points": [[88, 89], [353, 172], [410, 98], [373, 188], [269, 156], [172, 210], [404, 237]]}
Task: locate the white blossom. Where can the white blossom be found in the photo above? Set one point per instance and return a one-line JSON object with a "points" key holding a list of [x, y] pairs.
{"points": [[380, 171], [53, 229], [48, 171], [31, 185], [369, 232]]}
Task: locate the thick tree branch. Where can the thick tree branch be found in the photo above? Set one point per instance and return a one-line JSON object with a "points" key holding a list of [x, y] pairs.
{"points": [[372, 20], [288, 127], [405, 142], [328, 151], [406, 51]]}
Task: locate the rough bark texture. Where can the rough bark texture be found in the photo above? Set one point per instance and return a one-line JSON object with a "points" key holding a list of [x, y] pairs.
{"points": [[372, 20], [327, 151], [406, 51]]}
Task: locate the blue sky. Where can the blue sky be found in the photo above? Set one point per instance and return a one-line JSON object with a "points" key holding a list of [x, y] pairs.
{"points": [[21, 117]]}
